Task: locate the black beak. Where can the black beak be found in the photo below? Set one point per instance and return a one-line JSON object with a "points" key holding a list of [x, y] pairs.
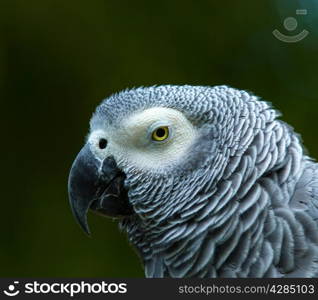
{"points": [[98, 186]]}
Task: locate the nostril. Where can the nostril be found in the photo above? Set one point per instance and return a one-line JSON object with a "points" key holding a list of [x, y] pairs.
{"points": [[102, 143]]}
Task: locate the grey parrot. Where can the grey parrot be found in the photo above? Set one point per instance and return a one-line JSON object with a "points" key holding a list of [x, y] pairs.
{"points": [[205, 181]]}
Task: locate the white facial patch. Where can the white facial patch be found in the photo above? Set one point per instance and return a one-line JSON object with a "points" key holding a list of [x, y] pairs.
{"points": [[133, 143], [94, 141]]}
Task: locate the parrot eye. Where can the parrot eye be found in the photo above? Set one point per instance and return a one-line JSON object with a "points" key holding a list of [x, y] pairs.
{"points": [[102, 143], [160, 134]]}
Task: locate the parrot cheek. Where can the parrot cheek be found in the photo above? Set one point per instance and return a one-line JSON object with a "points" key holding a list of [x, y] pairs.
{"points": [[96, 185]]}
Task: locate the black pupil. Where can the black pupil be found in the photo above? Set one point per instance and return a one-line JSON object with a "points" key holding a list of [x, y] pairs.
{"points": [[102, 143], [161, 132]]}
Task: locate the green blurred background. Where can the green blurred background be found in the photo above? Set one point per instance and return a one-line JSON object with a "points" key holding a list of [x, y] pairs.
{"points": [[59, 59]]}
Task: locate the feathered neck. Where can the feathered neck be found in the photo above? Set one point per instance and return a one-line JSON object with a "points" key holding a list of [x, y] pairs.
{"points": [[231, 220]]}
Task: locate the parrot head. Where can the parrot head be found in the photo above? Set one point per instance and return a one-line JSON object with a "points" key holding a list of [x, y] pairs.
{"points": [[154, 155]]}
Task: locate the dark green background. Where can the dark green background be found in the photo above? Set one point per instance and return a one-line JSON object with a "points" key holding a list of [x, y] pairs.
{"points": [[59, 59]]}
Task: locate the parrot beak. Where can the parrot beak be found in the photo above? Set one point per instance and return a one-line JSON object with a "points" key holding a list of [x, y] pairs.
{"points": [[98, 186]]}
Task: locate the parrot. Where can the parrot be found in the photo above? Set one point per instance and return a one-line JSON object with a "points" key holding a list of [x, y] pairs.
{"points": [[206, 182]]}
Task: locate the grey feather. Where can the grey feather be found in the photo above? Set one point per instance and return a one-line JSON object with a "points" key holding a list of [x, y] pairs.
{"points": [[243, 202]]}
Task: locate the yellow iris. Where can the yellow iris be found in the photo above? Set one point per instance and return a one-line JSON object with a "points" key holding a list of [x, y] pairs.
{"points": [[160, 134]]}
